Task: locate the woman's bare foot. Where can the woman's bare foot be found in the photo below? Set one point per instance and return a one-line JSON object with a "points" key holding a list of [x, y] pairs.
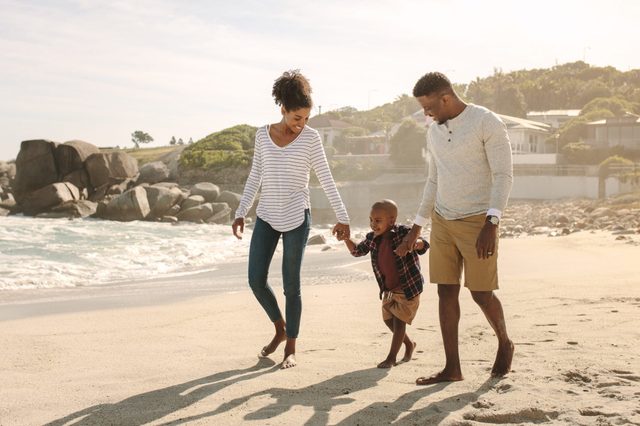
{"points": [[442, 376], [408, 352], [289, 361], [502, 365], [387, 363], [279, 337]]}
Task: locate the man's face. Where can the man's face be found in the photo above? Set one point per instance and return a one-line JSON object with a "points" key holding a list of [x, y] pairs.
{"points": [[380, 221], [435, 106]]}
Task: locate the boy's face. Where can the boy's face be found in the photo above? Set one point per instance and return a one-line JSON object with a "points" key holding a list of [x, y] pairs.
{"points": [[380, 221]]}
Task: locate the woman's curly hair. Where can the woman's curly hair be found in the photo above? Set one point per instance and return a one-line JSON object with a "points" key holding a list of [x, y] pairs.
{"points": [[292, 91]]}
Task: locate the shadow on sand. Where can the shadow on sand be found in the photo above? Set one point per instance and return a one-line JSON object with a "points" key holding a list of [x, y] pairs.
{"points": [[322, 397], [150, 406]]}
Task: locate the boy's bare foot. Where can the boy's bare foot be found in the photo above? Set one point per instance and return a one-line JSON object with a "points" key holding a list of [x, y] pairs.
{"points": [[289, 361], [273, 345], [408, 352], [440, 377], [502, 365], [386, 364]]}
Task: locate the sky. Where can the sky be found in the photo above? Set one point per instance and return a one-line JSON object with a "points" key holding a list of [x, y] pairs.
{"points": [[98, 70]]}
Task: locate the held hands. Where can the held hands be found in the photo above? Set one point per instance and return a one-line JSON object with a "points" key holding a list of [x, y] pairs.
{"points": [[341, 231], [238, 227], [410, 242]]}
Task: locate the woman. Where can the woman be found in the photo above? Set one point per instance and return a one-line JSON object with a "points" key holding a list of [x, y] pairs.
{"points": [[284, 155]]}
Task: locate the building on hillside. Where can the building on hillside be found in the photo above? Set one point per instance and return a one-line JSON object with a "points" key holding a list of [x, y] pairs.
{"points": [[553, 117], [529, 141], [328, 128], [615, 132]]}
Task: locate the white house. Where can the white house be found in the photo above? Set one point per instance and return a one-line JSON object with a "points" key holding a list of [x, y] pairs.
{"points": [[553, 117], [328, 128]]}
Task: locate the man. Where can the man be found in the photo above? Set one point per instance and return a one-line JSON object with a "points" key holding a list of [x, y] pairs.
{"points": [[470, 177]]}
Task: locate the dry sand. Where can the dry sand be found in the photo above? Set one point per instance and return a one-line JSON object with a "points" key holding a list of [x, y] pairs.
{"points": [[572, 307]]}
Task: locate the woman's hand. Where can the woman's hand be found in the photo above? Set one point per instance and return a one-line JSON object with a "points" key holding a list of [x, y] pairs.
{"points": [[341, 231], [238, 223]]}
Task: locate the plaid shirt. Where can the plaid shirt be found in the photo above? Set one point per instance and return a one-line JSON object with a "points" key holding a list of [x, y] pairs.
{"points": [[411, 279]]}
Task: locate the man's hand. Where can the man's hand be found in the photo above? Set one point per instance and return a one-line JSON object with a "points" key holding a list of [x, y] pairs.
{"points": [[409, 241], [341, 231], [486, 242], [238, 227]]}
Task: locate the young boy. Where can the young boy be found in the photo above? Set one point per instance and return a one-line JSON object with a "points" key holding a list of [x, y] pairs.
{"points": [[399, 278]]}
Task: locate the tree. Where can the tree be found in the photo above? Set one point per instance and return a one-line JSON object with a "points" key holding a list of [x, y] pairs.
{"points": [[172, 141], [604, 171], [180, 141], [407, 144], [190, 141], [139, 137]]}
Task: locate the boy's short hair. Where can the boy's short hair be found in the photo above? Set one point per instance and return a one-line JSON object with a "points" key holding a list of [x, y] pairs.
{"points": [[433, 82], [389, 206]]}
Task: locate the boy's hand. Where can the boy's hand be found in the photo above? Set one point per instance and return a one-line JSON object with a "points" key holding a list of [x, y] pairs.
{"points": [[238, 227], [341, 231]]}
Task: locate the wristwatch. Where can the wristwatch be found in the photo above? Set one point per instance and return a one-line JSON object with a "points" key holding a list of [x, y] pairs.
{"points": [[494, 220]]}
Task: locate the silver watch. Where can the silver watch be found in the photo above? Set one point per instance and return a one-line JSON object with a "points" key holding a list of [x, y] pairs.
{"points": [[494, 220]]}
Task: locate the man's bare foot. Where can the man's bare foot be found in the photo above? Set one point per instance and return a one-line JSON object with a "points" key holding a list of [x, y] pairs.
{"points": [[408, 352], [442, 376], [387, 363], [502, 365], [289, 361], [273, 345]]}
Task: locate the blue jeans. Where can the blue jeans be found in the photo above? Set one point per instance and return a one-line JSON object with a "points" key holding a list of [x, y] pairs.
{"points": [[263, 244]]}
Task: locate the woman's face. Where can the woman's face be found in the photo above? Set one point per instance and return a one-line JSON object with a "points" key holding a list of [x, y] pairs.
{"points": [[295, 120]]}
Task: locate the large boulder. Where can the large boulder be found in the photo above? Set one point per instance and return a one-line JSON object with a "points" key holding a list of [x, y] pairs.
{"points": [[110, 168], [71, 209], [221, 212], [162, 199], [192, 201], [7, 201], [153, 172], [196, 214], [35, 167], [51, 195], [71, 155], [78, 177], [231, 198], [132, 205], [209, 191]]}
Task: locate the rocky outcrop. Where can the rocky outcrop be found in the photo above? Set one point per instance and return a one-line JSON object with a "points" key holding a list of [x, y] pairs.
{"points": [[208, 190], [132, 205], [162, 199], [35, 167], [70, 157], [49, 196], [153, 172], [110, 168]]}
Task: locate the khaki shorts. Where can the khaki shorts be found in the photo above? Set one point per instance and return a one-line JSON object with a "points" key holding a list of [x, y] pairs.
{"points": [[397, 305], [453, 248]]}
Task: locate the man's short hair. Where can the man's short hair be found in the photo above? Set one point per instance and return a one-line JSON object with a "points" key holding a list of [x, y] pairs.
{"points": [[433, 82], [389, 206]]}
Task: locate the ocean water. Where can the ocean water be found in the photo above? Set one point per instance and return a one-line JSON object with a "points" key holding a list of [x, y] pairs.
{"points": [[53, 253]]}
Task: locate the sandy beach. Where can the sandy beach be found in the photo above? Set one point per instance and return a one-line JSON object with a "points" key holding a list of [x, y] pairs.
{"points": [[184, 350]]}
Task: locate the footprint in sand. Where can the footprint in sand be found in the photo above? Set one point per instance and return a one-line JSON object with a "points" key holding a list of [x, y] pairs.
{"points": [[503, 388], [576, 377], [482, 404], [528, 415]]}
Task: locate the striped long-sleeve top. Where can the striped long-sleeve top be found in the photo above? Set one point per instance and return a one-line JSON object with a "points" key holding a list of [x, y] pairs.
{"points": [[283, 173]]}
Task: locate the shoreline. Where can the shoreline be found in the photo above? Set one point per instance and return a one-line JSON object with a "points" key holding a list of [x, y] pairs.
{"points": [[570, 302]]}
